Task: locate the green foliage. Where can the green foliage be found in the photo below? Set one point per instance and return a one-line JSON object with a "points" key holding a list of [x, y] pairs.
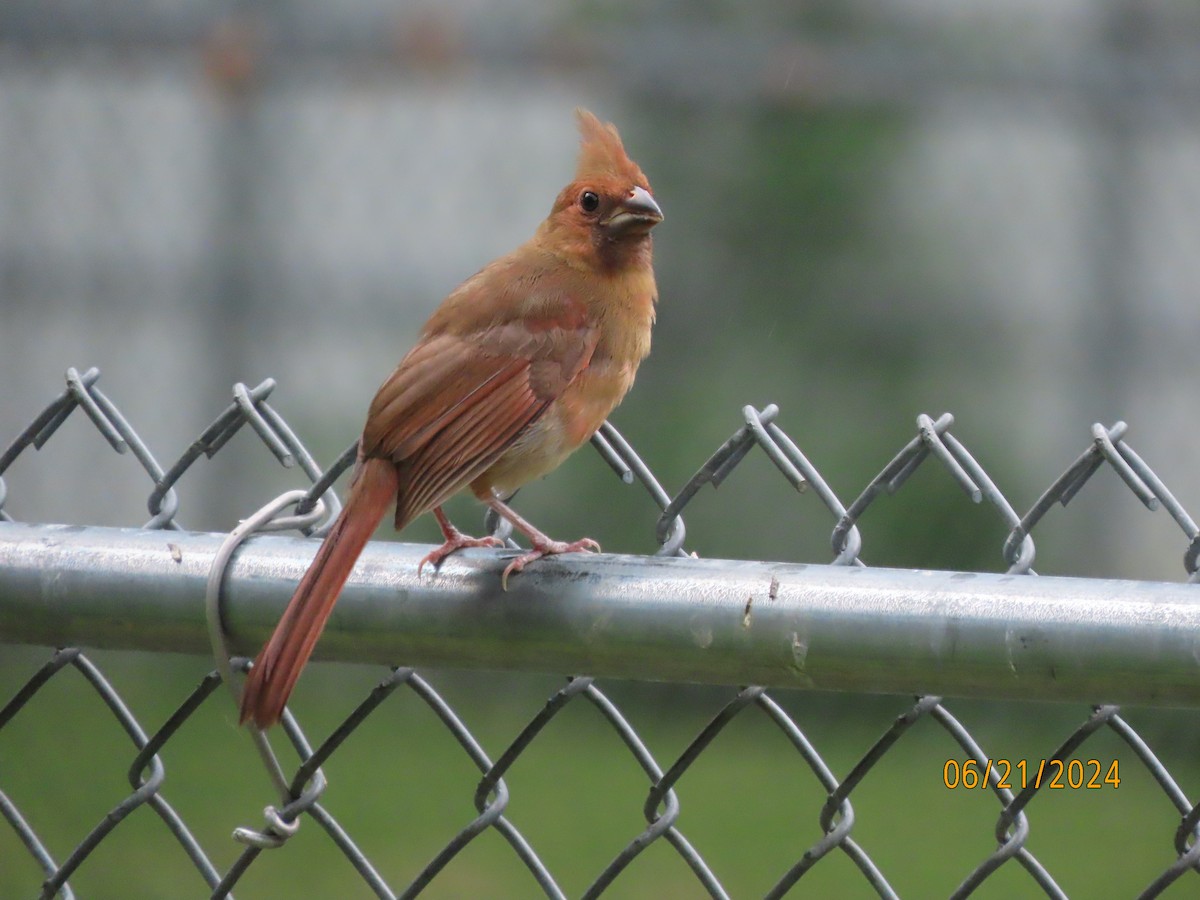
{"points": [[402, 787]]}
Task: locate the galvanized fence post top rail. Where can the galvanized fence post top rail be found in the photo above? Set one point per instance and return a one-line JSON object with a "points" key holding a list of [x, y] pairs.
{"points": [[670, 619], [678, 619]]}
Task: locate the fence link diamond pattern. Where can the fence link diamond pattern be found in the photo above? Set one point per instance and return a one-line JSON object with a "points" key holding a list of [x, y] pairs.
{"points": [[661, 808]]}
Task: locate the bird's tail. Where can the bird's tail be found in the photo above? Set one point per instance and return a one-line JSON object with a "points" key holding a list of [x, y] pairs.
{"points": [[279, 664]]}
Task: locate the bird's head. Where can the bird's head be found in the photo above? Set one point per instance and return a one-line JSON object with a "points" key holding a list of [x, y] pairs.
{"points": [[607, 211]]}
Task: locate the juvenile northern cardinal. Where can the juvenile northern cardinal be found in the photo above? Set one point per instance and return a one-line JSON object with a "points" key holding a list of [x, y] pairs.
{"points": [[518, 367]]}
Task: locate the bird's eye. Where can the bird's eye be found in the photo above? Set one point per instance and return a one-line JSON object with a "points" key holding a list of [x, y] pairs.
{"points": [[589, 201]]}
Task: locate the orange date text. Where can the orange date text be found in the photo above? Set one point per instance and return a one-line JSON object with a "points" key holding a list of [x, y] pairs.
{"points": [[1018, 774]]}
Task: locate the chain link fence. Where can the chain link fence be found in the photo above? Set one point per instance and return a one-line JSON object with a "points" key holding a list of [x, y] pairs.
{"points": [[149, 616], [873, 209]]}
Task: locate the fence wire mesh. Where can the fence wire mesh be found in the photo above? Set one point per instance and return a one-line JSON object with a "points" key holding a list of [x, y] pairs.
{"points": [[1016, 795]]}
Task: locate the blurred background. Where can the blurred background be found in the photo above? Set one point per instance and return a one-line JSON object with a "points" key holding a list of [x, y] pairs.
{"points": [[872, 211]]}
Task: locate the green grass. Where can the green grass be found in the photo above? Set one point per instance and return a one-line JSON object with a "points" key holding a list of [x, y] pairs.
{"points": [[403, 787]]}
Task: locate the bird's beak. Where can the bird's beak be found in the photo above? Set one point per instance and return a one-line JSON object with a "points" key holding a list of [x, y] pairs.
{"points": [[636, 211]]}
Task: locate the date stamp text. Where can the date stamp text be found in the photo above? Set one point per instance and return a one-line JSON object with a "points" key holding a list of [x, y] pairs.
{"points": [[1018, 774]]}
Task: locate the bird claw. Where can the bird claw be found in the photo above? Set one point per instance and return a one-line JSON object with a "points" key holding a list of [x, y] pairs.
{"points": [[453, 544], [547, 548]]}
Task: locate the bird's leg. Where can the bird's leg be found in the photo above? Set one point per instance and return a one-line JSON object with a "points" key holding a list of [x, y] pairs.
{"points": [[455, 540], [542, 545]]}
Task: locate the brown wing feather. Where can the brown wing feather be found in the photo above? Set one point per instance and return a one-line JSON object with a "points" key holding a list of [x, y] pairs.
{"points": [[427, 387], [453, 458], [457, 402]]}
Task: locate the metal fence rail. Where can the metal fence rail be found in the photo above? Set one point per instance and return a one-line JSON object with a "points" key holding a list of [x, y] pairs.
{"points": [[664, 619], [676, 618]]}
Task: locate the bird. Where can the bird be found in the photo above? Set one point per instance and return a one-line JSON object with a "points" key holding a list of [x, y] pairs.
{"points": [[518, 367]]}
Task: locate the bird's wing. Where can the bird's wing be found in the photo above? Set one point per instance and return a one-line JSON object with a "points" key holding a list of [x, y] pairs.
{"points": [[457, 402]]}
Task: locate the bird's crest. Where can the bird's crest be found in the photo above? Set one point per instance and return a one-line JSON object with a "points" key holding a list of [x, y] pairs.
{"points": [[601, 153]]}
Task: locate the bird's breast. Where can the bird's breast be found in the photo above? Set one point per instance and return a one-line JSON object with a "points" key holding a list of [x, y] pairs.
{"points": [[569, 421], [575, 415]]}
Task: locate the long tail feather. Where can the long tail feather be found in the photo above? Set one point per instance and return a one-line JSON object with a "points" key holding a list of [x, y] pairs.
{"points": [[279, 664]]}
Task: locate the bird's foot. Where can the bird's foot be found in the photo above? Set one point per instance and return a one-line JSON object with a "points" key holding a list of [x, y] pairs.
{"points": [[546, 547], [454, 542]]}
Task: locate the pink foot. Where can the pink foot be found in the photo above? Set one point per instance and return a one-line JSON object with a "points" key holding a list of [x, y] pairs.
{"points": [[546, 548], [456, 541]]}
